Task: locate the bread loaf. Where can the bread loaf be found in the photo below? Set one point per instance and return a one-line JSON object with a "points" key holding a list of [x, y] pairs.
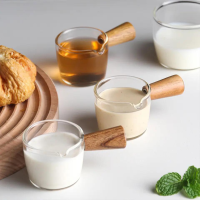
{"points": [[17, 77]]}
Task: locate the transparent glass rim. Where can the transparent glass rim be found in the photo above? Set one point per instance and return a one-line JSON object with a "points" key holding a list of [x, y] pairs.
{"points": [[81, 27], [174, 26], [25, 142], [121, 77]]}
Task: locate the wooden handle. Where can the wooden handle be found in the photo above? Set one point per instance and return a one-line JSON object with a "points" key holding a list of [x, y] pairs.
{"points": [[170, 86], [120, 34], [112, 138]]}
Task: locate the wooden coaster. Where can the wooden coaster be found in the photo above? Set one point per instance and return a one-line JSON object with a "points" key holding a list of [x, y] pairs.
{"points": [[14, 119]]}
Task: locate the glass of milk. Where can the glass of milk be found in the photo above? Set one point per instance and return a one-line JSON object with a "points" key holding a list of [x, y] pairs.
{"points": [[121, 101], [176, 34], [53, 151]]}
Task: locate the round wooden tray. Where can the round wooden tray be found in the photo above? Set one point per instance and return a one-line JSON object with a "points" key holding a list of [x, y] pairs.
{"points": [[14, 119]]}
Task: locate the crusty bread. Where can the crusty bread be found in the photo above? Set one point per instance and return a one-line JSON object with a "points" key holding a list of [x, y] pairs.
{"points": [[17, 76]]}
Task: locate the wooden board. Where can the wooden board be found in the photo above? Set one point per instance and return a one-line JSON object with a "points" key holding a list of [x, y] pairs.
{"points": [[14, 119]]}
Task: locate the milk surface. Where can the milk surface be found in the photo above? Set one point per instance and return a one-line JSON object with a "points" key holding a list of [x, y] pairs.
{"points": [[178, 49], [51, 171], [133, 121]]}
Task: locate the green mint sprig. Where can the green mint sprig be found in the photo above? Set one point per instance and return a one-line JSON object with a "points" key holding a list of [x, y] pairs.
{"points": [[172, 183]]}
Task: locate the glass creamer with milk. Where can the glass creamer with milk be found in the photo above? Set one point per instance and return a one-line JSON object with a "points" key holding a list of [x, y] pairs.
{"points": [[54, 149], [176, 34]]}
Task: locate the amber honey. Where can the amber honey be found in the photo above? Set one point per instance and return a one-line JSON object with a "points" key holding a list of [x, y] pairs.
{"points": [[81, 61]]}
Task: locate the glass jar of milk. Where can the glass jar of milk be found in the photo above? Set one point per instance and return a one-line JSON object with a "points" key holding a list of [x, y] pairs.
{"points": [[121, 101], [53, 152], [176, 34]]}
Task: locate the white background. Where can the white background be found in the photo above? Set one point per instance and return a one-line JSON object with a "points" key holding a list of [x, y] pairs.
{"points": [[172, 141]]}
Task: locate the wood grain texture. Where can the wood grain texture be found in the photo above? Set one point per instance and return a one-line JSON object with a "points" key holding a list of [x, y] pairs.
{"points": [[123, 33], [112, 138], [170, 86], [14, 119]]}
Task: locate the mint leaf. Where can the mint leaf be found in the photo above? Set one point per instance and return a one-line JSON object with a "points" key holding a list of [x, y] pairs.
{"points": [[169, 184], [193, 190], [191, 175], [192, 180]]}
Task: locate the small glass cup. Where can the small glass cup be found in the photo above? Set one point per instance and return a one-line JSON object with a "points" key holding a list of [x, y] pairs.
{"points": [[48, 169], [82, 57], [133, 117], [176, 34]]}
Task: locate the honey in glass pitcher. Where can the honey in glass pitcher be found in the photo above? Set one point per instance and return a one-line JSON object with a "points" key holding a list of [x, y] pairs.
{"points": [[82, 59]]}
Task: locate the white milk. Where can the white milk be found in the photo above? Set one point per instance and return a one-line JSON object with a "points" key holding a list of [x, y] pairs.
{"points": [[178, 49], [53, 171], [133, 121]]}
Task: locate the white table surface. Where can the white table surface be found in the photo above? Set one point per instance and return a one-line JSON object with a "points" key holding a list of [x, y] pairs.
{"points": [[172, 141]]}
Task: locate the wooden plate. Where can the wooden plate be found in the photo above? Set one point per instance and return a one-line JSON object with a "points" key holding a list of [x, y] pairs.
{"points": [[14, 119]]}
